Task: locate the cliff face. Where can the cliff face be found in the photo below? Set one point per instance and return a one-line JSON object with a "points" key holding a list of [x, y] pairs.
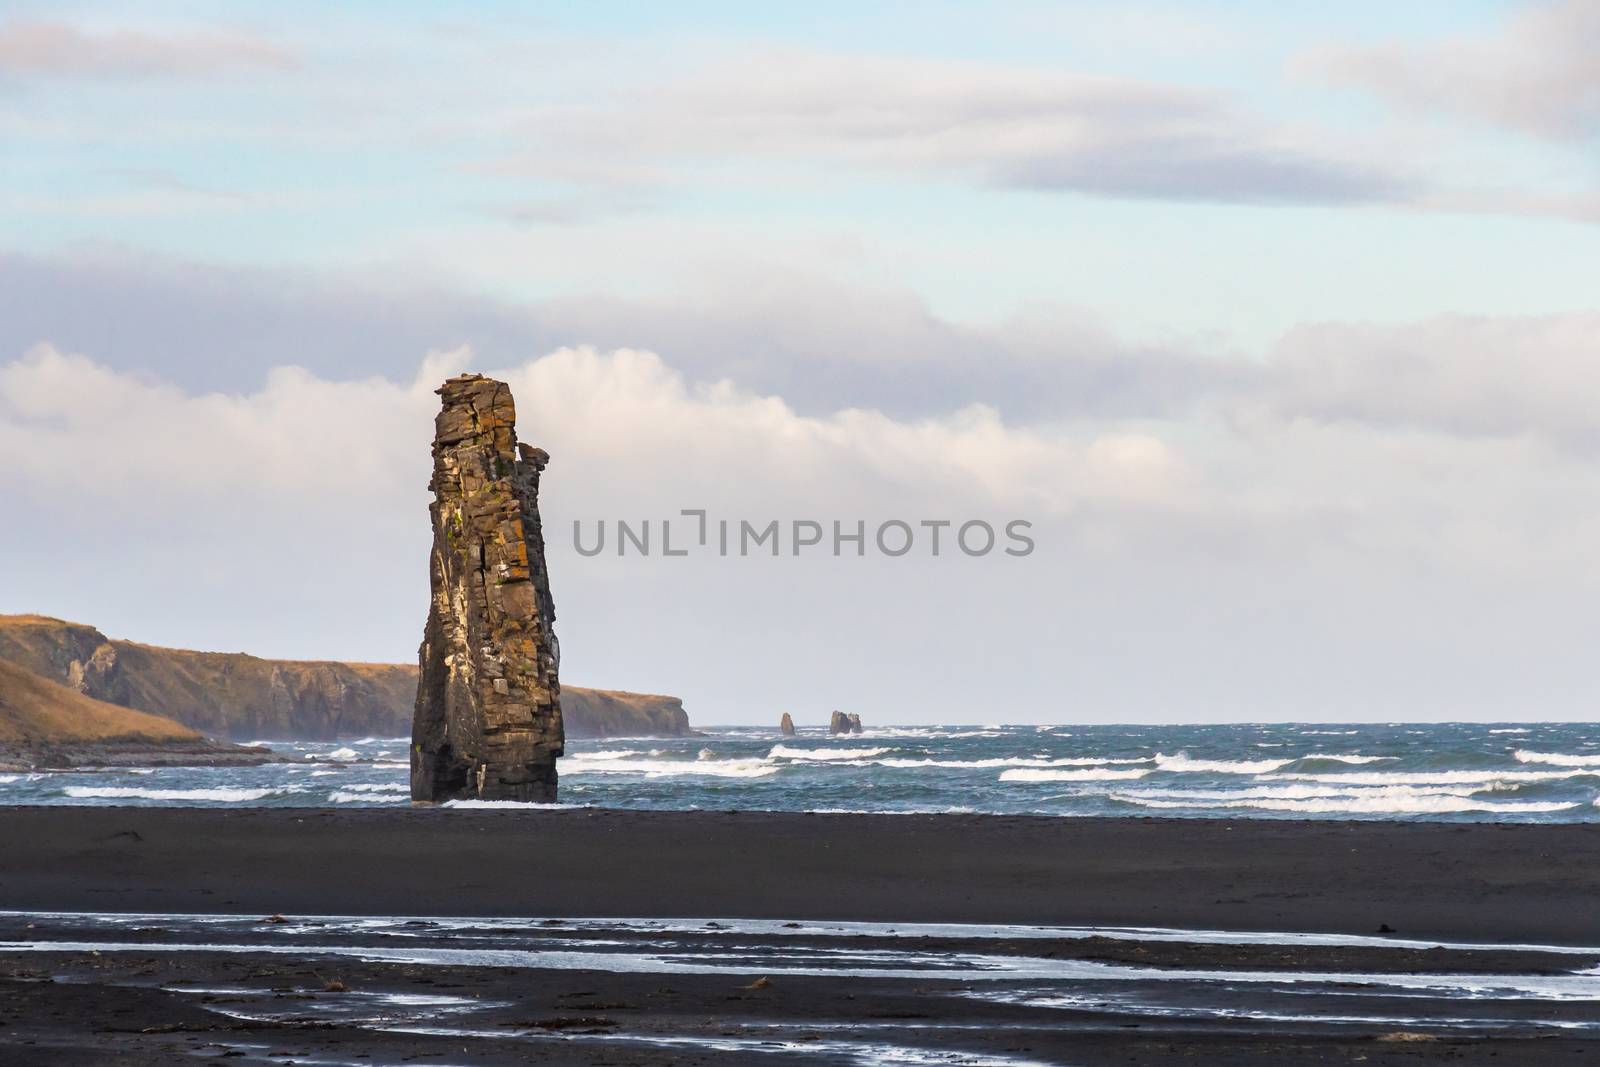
{"points": [[44, 724], [232, 695], [34, 710], [488, 716]]}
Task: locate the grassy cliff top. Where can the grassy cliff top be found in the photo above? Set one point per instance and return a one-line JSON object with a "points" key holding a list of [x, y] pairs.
{"points": [[36, 710]]}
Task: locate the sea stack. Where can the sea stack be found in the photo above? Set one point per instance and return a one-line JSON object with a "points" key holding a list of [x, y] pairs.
{"points": [[786, 725], [855, 723], [488, 714], [839, 724]]}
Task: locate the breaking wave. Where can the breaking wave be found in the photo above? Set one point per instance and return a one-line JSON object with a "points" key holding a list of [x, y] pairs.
{"points": [[1086, 774], [785, 752], [667, 768], [221, 794], [1431, 777], [1377, 802], [348, 796], [1558, 759], [1182, 764]]}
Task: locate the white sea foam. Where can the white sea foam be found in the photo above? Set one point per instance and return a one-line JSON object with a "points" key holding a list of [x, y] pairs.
{"points": [[339, 754], [1347, 759], [1377, 802], [1203, 797], [785, 752], [1483, 778], [1518, 730], [668, 768], [224, 795], [342, 796], [1182, 764], [626, 753], [391, 765], [506, 804], [1558, 759], [385, 787], [1086, 774], [996, 761]]}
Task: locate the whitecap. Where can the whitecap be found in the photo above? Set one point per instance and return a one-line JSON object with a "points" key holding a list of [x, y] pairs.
{"points": [[528, 804], [1559, 759], [1425, 804], [1347, 759], [1518, 730], [344, 797], [1484, 778], [219, 794], [1182, 764], [785, 752], [999, 761], [666, 768], [385, 787], [1202, 797], [1086, 774]]}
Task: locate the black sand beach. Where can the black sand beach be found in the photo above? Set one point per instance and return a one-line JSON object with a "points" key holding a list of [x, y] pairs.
{"points": [[788, 983]]}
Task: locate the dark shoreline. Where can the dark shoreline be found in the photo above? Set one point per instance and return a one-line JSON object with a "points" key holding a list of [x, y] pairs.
{"points": [[272, 990], [1454, 881]]}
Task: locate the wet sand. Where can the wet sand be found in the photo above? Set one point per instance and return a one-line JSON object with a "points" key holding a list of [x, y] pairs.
{"points": [[544, 991]]}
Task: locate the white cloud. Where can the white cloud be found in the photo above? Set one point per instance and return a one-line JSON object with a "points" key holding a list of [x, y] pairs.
{"points": [[1463, 375], [1537, 71], [1237, 560], [50, 49], [1006, 126]]}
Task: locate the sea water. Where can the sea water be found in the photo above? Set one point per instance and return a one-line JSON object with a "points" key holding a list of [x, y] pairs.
{"points": [[1540, 772]]}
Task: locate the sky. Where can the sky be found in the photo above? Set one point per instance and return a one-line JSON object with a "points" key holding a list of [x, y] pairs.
{"points": [[1279, 325]]}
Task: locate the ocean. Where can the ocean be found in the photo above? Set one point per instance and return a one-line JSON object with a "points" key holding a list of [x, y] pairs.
{"points": [[1535, 772]]}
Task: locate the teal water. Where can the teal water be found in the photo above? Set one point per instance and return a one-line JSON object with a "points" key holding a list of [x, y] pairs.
{"points": [[1539, 772]]}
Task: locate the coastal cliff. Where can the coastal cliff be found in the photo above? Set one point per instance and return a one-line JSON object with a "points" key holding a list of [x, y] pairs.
{"points": [[242, 697], [44, 724]]}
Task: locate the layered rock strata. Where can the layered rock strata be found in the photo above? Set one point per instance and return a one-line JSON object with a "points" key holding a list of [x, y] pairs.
{"points": [[487, 723]]}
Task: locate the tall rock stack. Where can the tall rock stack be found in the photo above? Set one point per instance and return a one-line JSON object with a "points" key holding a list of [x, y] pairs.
{"points": [[488, 714]]}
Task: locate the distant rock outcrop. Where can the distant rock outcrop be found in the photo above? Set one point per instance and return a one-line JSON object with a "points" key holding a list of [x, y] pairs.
{"points": [[786, 725], [488, 716], [855, 723], [844, 724], [242, 697]]}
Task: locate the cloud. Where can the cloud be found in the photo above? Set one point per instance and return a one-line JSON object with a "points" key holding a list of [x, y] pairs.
{"points": [[822, 345], [1002, 126], [1537, 72], [1301, 560], [1466, 376], [47, 49]]}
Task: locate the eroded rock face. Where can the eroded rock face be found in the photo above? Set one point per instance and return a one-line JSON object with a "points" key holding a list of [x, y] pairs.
{"points": [[839, 723], [855, 723], [488, 714], [786, 725]]}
